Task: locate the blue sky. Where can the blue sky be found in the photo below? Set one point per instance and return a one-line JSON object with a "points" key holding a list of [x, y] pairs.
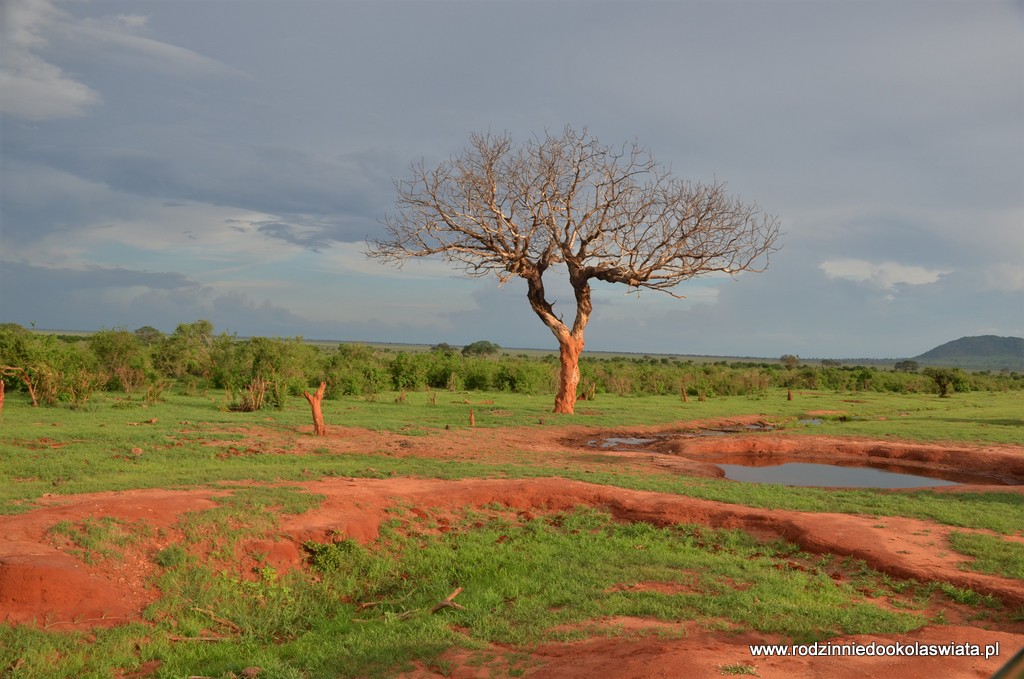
{"points": [[162, 162]]}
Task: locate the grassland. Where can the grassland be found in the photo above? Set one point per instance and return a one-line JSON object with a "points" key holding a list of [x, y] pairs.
{"points": [[365, 610]]}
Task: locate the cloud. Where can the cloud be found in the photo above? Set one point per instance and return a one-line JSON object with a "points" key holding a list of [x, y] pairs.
{"points": [[33, 88], [886, 275], [89, 298], [113, 38], [36, 89], [899, 193], [15, 274], [1004, 277], [302, 198]]}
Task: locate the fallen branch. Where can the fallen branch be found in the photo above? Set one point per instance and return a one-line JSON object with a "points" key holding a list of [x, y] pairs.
{"points": [[78, 621], [370, 604], [448, 602], [222, 621]]}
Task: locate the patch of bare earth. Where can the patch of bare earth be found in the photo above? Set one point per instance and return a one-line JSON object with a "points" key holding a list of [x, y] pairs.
{"points": [[45, 585]]}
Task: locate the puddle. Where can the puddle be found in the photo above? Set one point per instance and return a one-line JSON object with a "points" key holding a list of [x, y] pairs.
{"points": [[616, 441], [829, 475], [626, 441], [782, 469]]}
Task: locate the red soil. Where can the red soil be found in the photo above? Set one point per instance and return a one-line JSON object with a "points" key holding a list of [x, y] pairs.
{"points": [[42, 583]]}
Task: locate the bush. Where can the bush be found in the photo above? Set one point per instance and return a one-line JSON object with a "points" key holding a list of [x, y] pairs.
{"points": [[121, 355], [480, 348], [523, 377], [353, 370], [407, 372], [479, 374]]}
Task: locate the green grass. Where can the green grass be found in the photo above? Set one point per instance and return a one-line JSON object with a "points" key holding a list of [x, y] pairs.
{"points": [[245, 513], [991, 554], [99, 539], [979, 417], [366, 610], [68, 451]]}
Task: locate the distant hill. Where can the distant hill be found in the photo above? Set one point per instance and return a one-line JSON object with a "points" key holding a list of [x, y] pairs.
{"points": [[984, 352]]}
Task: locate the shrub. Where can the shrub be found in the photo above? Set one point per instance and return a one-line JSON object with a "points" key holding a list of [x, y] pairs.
{"points": [[407, 372], [480, 348], [522, 376], [479, 374]]}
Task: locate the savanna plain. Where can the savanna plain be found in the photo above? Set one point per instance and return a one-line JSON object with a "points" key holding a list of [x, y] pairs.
{"points": [[455, 532]]}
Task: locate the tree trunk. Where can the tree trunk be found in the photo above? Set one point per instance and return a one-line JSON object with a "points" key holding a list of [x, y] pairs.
{"points": [[319, 428], [570, 342], [569, 350], [23, 374]]}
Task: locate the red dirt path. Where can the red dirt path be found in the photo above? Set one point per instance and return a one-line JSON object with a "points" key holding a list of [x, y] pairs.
{"points": [[41, 583]]}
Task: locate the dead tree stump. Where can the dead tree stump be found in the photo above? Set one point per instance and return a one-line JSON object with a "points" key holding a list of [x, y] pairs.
{"points": [[319, 428], [789, 395], [472, 419]]}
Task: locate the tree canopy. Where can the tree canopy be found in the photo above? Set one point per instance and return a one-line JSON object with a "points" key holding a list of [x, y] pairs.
{"points": [[604, 213]]}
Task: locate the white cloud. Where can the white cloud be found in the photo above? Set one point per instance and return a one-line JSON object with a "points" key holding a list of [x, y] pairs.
{"points": [[33, 88], [886, 275]]}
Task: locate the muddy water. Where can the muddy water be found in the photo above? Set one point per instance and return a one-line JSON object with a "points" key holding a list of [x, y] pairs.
{"points": [[615, 442], [790, 472], [809, 474]]}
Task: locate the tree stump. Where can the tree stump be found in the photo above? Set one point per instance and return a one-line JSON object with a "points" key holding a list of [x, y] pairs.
{"points": [[1, 396], [472, 419], [319, 428], [789, 395]]}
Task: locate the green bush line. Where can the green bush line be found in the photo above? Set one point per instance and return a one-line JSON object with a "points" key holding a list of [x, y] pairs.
{"points": [[262, 372]]}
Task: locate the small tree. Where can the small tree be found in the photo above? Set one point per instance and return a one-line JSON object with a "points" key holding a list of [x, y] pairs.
{"points": [[480, 348], [606, 214], [188, 351], [944, 378], [148, 335], [121, 354], [906, 366], [790, 361]]}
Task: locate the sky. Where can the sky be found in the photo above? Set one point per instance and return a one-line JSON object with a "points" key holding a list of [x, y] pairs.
{"points": [[164, 162]]}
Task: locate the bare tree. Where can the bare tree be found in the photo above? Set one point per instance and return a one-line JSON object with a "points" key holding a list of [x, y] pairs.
{"points": [[607, 214]]}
